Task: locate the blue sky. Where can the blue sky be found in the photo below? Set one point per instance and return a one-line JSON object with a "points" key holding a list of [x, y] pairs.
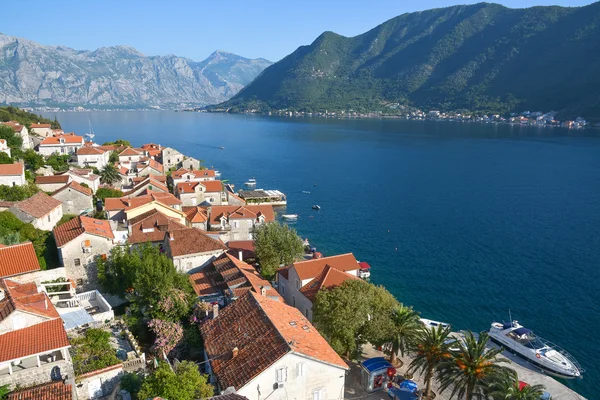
{"points": [[195, 28]]}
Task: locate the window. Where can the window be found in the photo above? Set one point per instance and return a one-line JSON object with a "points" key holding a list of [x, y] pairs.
{"points": [[77, 262], [236, 224], [48, 217], [282, 289], [294, 301], [299, 370], [297, 284], [306, 312], [319, 394], [281, 375]]}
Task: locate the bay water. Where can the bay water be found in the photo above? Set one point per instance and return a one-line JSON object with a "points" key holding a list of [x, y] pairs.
{"points": [[463, 221]]}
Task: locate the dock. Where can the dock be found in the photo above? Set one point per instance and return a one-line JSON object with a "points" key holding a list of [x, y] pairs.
{"points": [[262, 196]]}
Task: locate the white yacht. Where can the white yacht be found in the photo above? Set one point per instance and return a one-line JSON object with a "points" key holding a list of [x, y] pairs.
{"points": [[543, 354], [431, 324], [290, 217]]}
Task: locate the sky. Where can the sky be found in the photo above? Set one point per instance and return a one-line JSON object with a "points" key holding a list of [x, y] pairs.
{"points": [[195, 28]]}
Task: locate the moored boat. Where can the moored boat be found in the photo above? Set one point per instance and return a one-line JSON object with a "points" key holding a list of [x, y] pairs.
{"points": [[316, 207], [250, 182], [290, 217], [540, 352], [429, 323]]}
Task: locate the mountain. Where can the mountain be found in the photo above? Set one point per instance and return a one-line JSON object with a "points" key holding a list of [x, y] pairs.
{"points": [[117, 76], [478, 57]]}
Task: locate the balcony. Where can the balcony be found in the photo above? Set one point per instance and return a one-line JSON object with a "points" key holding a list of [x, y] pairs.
{"points": [[88, 308], [40, 366]]}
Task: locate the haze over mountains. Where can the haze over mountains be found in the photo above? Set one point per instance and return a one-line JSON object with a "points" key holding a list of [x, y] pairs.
{"points": [[118, 76], [479, 57]]}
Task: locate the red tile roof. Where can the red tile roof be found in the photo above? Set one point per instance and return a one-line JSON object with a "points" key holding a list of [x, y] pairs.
{"points": [[203, 173], [160, 178], [260, 329], [18, 259], [329, 278], [40, 338], [25, 297], [212, 186], [130, 152], [38, 205], [245, 246], [52, 179], [11, 169], [90, 151], [149, 181], [75, 186], [241, 212], [69, 138], [151, 227], [186, 187], [192, 241], [45, 391], [206, 282], [195, 214], [311, 268], [124, 203], [40, 126], [13, 124], [74, 228]]}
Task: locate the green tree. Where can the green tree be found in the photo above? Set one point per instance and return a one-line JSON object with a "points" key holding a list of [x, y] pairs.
{"points": [[33, 160], [405, 325], [132, 382], [5, 158], [506, 387], [471, 367], [103, 193], [58, 162], [185, 383], [352, 314], [4, 391], [275, 245], [10, 238], [114, 157], [17, 193], [65, 218], [118, 142], [13, 140], [432, 348], [92, 351], [109, 174]]}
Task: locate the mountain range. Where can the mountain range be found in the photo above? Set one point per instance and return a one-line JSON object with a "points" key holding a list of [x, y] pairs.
{"points": [[481, 57], [119, 76]]}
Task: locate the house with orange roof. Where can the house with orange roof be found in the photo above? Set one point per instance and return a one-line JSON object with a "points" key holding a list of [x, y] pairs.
{"points": [[33, 342], [22, 131], [150, 227], [196, 217], [264, 348], [131, 155], [200, 193], [80, 242], [227, 278], [93, 157], [86, 176], [171, 158], [189, 175], [4, 147], [18, 260], [299, 282], [147, 183], [75, 198], [67, 143], [12, 174], [239, 222], [149, 166], [40, 210], [124, 208], [191, 249], [50, 183], [153, 150], [47, 391], [43, 130]]}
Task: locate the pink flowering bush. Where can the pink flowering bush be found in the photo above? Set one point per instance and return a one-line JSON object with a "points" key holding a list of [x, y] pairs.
{"points": [[168, 335], [173, 306]]}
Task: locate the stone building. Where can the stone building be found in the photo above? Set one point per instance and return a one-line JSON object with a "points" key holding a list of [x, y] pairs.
{"points": [[75, 198], [239, 222], [12, 174], [191, 248], [51, 183], [40, 210], [170, 158]]}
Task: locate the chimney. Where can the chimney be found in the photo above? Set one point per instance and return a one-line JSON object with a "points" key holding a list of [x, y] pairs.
{"points": [[240, 253], [234, 352], [263, 290], [215, 310]]}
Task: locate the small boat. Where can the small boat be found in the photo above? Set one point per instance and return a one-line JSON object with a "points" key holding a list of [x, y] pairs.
{"points": [[305, 192], [316, 207], [222, 147], [431, 324], [523, 342], [250, 182], [89, 135], [290, 217], [217, 174]]}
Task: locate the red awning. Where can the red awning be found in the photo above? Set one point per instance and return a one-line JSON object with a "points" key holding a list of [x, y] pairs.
{"points": [[364, 265], [522, 385]]}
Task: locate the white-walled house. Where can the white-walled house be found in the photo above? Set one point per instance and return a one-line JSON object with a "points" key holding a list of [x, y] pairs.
{"points": [[80, 241], [191, 248], [67, 143], [43, 130], [90, 156], [51, 183], [40, 210], [299, 282], [188, 175], [86, 176], [267, 350], [4, 147], [22, 131], [239, 222], [12, 174]]}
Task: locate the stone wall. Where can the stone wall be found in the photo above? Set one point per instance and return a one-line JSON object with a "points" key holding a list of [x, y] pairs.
{"points": [[73, 201], [35, 376], [100, 383]]}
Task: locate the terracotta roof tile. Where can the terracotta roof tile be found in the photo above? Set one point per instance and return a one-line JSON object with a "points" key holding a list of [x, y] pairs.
{"points": [[311, 268], [161, 178], [13, 124], [45, 391], [38, 205], [69, 138], [42, 180], [74, 228], [18, 259], [192, 241], [131, 152], [195, 214], [187, 187], [75, 186], [285, 272], [151, 227], [39, 338], [212, 186], [203, 173], [124, 203], [11, 169], [40, 126], [206, 282], [328, 278], [241, 212], [90, 151], [25, 297], [148, 181], [260, 329]]}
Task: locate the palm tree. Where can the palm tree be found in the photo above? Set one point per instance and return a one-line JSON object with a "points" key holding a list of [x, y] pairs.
{"points": [[470, 367], [406, 323], [109, 174], [432, 348], [506, 387]]}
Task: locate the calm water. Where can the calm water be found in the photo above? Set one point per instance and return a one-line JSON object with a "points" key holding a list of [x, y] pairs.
{"points": [[464, 222]]}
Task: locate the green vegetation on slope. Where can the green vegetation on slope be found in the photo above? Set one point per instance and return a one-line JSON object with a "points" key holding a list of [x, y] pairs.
{"points": [[11, 113], [482, 57]]}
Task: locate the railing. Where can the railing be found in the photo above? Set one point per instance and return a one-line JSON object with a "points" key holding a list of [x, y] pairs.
{"points": [[564, 353]]}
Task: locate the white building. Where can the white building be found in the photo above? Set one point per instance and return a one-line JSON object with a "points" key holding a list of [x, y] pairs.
{"points": [[4, 147], [43, 130], [40, 210], [187, 175], [67, 143], [171, 158], [267, 350], [90, 156], [22, 131], [86, 176], [191, 248], [12, 174]]}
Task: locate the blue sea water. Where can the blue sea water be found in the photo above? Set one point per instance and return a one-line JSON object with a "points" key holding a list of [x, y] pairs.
{"points": [[462, 221]]}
